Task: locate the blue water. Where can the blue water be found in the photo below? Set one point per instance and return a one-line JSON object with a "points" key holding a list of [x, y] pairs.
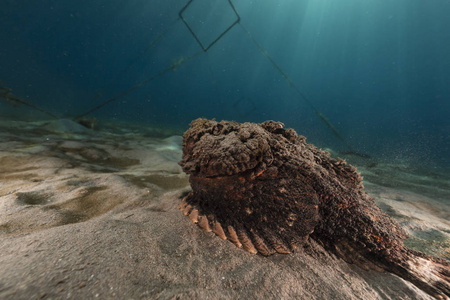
{"points": [[378, 70]]}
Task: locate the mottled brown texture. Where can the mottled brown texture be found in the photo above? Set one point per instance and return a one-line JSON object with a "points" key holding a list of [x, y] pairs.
{"points": [[266, 190]]}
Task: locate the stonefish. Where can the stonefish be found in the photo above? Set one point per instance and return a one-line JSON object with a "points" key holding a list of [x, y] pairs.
{"points": [[265, 189]]}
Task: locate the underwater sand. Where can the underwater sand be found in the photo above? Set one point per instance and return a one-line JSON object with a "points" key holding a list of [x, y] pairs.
{"points": [[87, 214]]}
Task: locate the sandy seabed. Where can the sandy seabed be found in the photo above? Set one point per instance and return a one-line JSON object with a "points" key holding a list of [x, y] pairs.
{"points": [[94, 214]]}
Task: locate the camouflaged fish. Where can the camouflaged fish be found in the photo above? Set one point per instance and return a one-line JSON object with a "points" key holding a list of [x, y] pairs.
{"points": [[265, 189]]}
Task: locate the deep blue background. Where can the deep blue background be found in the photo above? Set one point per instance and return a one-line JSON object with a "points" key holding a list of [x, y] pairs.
{"points": [[379, 70]]}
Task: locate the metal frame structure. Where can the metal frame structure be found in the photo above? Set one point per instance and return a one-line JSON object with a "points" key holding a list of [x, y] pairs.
{"points": [[206, 47]]}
